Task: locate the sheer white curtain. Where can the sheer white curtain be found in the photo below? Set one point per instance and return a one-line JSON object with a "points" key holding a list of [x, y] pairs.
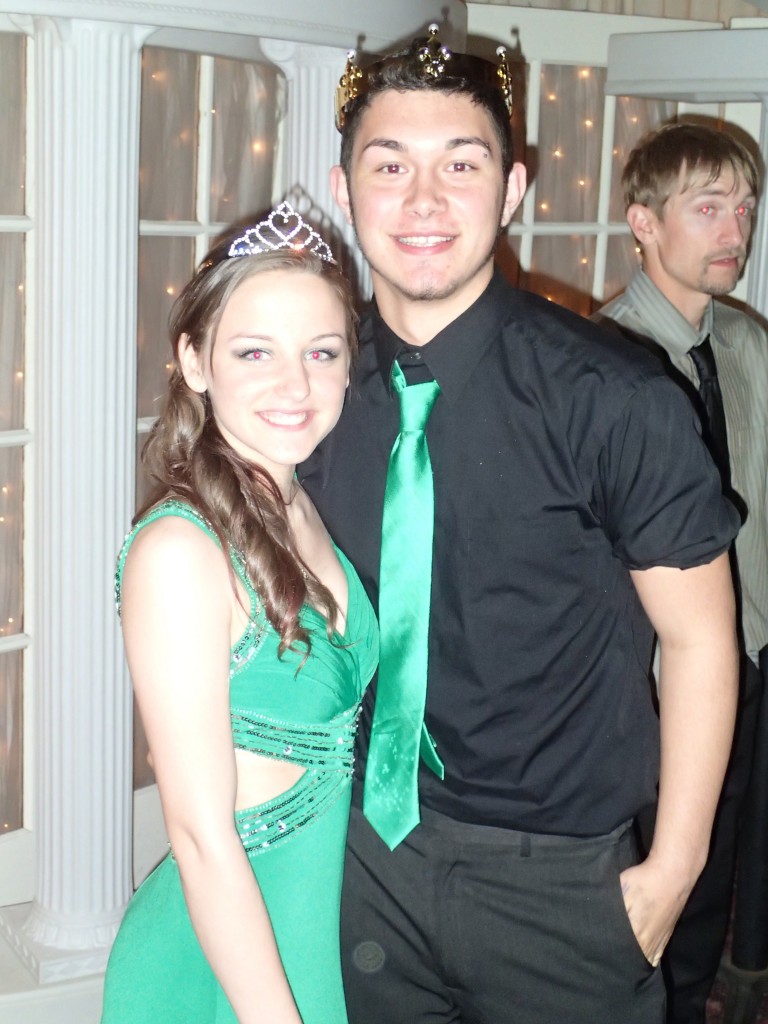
{"points": [[12, 208], [208, 139], [567, 181], [578, 246]]}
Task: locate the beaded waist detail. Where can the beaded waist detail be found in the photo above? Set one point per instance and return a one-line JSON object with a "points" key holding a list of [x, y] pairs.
{"points": [[325, 750]]}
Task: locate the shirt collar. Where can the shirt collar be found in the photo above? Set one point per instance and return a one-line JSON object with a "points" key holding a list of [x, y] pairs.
{"points": [[451, 355], [665, 320]]}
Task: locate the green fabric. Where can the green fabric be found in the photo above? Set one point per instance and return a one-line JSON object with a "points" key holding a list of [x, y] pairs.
{"points": [[157, 972], [391, 796]]}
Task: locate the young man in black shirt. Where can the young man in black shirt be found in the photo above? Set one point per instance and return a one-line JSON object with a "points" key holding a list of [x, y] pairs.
{"points": [[575, 511]]}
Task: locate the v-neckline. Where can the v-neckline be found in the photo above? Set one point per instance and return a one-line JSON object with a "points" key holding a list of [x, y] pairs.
{"points": [[345, 566]]}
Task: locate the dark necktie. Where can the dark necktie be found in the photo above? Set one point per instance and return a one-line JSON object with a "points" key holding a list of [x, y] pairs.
{"points": [[715, 433], [398, 733]]}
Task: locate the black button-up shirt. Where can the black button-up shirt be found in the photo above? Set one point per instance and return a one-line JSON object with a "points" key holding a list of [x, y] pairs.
{"points": [[562, 458]]}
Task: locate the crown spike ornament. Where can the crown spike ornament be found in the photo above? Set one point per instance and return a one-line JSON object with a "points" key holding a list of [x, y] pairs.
{"points": [[433, 56], [284, 228], [430, 60]]}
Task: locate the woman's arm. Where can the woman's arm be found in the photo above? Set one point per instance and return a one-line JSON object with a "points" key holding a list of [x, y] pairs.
{"points": [[177, 604]]}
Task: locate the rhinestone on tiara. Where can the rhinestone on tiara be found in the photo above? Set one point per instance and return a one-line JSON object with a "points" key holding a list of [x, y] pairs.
{"points": [[431, 59], [284, 228]]}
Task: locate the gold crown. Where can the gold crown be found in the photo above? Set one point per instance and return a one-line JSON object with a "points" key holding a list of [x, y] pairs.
{"points": [[430, 59]]}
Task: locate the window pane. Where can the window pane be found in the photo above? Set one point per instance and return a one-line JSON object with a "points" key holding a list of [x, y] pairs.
{"points": [[562, 270], [165, 266], [12, 121], [11, 533], [11, 331], [634, 117], [244, 138], [570, 138], [621, 263], [168, 161], [10, 742]]}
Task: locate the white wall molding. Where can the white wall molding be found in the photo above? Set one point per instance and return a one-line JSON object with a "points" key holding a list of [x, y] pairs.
{"points": [[331, 23], [69, 1002]]}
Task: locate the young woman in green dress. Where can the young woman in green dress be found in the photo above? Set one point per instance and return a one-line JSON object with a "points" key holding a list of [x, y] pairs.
{"points": [[250, 642]]}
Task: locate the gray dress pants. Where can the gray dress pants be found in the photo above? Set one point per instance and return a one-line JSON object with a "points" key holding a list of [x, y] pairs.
{"points": [[479, 925]]}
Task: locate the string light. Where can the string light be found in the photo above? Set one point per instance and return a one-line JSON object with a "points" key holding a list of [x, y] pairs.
{"points": [[170, 290], [257, 146], [556, 140]]}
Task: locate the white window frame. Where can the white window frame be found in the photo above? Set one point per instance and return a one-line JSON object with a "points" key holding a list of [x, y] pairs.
{"points": [[18, 848]]}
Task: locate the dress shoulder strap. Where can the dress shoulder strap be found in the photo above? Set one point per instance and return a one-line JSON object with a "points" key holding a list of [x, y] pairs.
{"points": [[183, 510]]}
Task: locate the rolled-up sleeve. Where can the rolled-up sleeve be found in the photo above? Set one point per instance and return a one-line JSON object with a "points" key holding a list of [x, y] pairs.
{"points": [[656, 488]]}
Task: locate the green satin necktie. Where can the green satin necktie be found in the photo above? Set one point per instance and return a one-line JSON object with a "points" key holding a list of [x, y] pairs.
{"points": [[391, 796]]}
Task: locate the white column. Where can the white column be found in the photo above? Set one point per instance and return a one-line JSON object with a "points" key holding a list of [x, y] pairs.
{"points": [[85, 90], [310, 141]]}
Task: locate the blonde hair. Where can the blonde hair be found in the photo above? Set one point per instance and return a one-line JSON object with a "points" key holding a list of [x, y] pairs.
{"points": [[654, 166]]}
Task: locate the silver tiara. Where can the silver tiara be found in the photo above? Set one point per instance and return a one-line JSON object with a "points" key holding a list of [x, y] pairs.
{"points": [[283, 229]]}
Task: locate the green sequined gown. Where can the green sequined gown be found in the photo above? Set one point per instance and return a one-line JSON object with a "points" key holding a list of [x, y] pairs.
{"points": [[157, 972]]}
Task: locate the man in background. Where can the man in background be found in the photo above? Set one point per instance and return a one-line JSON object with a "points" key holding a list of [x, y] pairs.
{"points": [[690, 194]]}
